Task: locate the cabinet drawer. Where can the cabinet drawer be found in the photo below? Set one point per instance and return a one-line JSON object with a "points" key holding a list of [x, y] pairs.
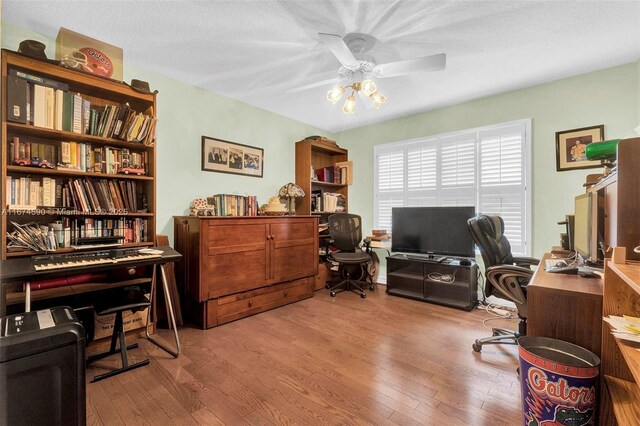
{"points": [[249, 303]]}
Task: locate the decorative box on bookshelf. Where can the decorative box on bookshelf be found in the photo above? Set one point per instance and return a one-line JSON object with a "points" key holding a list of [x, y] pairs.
{"points": [[78, 153]]}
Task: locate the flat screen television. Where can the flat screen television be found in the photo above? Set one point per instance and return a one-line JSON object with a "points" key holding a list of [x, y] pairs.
{"points": [[432, 230]]}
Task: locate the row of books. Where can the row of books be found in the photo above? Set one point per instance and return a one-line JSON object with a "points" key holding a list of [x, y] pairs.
{"points": [[66, 232], [48, 103], [327, 202], [339, 173], [79, 156], [81, 194], [134, 230], [234, 205]]}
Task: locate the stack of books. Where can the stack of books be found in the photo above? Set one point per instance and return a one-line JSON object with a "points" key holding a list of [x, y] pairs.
{"points": [[624, 327], [234, 205], [339, 173]]}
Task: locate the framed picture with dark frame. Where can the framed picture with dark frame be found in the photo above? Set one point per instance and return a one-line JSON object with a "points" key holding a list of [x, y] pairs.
{"points": [[571, 147], [229, 157]]}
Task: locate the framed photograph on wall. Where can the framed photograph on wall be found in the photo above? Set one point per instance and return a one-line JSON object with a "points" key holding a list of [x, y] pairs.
{"points": [[229, 157], [571, 147]]}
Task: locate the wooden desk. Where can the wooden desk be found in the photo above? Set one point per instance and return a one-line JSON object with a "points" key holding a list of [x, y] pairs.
{"points": [[565, 307]]}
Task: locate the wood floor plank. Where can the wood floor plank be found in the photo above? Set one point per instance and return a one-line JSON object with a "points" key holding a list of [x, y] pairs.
{"points": [[383, 360]]}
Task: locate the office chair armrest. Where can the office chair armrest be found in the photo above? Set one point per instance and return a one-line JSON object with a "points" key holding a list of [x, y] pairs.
{"points": [[501, 277], [526, 261], [509, 269]]}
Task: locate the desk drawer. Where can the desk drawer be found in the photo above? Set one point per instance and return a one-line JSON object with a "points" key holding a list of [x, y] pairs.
{"points": [[240, 305], [252, 302]]}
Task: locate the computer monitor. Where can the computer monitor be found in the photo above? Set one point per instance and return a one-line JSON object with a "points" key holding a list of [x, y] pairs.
{"points": [[582, 226]]}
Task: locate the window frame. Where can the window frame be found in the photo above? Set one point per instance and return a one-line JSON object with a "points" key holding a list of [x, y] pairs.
{"points": [[404, 193]]}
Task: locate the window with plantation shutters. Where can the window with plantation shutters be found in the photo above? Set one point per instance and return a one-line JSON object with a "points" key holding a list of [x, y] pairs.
{"points": [[486, 168]]}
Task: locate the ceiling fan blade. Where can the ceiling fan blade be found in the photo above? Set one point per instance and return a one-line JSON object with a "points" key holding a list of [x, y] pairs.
{"points": [[339, 49], [312, 85], [411, 66]]}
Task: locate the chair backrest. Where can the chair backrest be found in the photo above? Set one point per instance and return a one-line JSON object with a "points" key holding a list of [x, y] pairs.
{"points": [[345, 230], [488, 234]]}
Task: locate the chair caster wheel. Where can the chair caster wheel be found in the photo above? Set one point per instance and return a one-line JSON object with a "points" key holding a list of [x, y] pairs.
{"points": [[476, 347], [372, 287], [327, 286], [363, 295], [332, 294]]}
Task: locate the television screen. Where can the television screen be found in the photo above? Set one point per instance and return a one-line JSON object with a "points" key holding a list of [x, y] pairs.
{"points": [[432, 230]]}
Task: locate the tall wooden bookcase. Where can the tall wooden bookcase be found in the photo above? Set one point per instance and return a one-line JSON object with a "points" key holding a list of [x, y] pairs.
{"points": [[99, 92], [314, 155], [620, 368]]}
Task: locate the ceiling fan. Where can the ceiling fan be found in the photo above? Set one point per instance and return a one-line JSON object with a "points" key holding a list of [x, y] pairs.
{"points": [[358, 67]]}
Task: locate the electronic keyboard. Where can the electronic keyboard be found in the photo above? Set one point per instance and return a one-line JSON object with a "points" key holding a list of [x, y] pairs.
{"points": [[89, 258]]}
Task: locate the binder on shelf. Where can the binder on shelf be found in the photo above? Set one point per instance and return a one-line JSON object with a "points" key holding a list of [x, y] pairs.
{"points": [[35, 79], [39, 106], [18, 101]]}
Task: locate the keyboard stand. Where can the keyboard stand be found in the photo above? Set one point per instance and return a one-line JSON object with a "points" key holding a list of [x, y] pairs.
{"points": [[169, 308]]}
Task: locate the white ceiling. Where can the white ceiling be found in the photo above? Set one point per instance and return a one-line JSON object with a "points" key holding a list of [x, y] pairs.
{"points": [[255, 51]]}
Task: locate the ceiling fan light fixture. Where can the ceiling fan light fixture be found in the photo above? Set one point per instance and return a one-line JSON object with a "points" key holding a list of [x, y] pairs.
{"points": [[378, 99], [368, 87], [335, 94], [349, 105]]}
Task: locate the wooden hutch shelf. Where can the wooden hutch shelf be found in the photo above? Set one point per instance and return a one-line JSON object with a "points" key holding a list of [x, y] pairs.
{"points": [[620, 369]]}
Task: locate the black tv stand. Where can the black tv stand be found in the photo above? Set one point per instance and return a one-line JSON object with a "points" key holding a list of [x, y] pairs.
{"points": [[434, 279]]}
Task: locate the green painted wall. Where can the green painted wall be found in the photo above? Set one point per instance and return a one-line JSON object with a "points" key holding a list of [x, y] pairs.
{"points": [[185, 114], [608, 97]]}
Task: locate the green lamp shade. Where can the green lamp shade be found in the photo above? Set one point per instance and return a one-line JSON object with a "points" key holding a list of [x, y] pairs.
{"points": [[604, 150]]}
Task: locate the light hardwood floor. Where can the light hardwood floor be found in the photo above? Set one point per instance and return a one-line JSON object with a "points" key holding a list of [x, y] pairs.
{"points": [[383, 361]]}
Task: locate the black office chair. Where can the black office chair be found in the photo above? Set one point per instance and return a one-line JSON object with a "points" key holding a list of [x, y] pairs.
{"points": [[506, 276], [128, 298], [346, 234]]}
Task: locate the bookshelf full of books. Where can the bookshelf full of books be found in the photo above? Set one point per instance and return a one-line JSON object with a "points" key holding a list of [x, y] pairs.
{"points": [[324, 173], [78, 158]]}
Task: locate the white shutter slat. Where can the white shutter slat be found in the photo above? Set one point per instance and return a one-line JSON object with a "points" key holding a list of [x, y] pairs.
{"points": [[390, 169], [384, 211], [421, 168]]}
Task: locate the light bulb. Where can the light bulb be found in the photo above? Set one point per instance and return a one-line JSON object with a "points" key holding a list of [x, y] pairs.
{"points": [[377, 99], [335, 94], [349, 105], [368, 87]]}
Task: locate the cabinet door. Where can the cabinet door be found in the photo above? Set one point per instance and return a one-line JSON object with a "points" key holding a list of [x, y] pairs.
{"points": [[234, 258], [294, 251]]}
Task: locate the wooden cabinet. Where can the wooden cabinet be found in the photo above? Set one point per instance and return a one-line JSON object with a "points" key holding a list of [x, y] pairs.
{"points": [[618, 202], [234, 267], [315, 155], [620, 360], [89, 196]]}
